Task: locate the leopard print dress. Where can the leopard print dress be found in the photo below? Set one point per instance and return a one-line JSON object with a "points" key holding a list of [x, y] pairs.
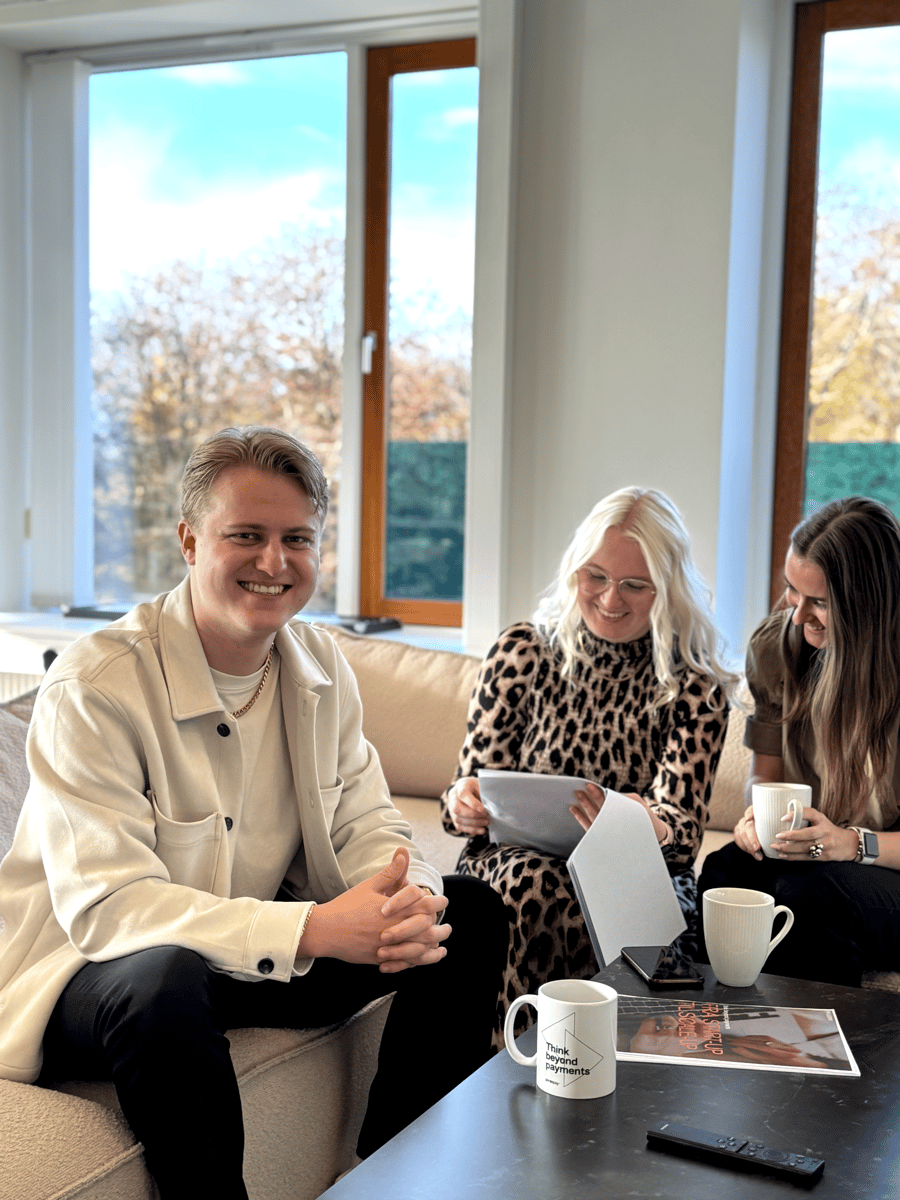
{"points": [[601, 724]]}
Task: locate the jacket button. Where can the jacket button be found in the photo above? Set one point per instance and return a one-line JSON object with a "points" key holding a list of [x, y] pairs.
{"points": [[265, 966], [223, 730], [228, 823]]}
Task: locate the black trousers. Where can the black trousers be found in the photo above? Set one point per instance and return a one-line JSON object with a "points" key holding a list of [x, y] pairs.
{"points": [[846, 915], [155, 1024]]}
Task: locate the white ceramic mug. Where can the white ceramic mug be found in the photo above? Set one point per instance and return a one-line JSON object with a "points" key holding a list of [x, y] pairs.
{"points": [[737, 925], [772, 802], [576, 1039]]}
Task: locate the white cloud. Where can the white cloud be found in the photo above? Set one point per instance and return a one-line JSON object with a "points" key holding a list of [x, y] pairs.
{"points": [[426, 79], [431, 253], [454, 118], [863, 58], [316, 135], [872, 168], [135, 231], [441, 127], [218, 74]]}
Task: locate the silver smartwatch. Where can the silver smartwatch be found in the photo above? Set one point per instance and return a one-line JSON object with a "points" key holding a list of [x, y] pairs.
{"points": [[868, 845]]}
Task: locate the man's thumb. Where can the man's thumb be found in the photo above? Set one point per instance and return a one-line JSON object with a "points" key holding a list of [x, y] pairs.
{"points": [[387, 879]]}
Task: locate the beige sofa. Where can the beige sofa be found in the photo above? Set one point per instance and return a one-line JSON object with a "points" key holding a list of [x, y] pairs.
{"points": [[415, 703], [303, 1091]]}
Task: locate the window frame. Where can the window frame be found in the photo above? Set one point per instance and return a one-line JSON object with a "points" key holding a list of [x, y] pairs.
{"points": [[811, 22], [57, 564], [383, 63]]}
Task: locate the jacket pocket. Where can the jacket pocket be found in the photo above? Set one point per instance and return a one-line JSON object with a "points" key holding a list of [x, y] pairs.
{"points": [[331, 798], [189, 849]]}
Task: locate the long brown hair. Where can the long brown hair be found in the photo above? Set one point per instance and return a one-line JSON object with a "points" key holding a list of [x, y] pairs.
{"points": [[849, 691]]}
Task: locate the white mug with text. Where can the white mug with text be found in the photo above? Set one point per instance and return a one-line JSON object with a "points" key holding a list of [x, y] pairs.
{"points": [[772, 802], [737, 925], [576, 1038]]}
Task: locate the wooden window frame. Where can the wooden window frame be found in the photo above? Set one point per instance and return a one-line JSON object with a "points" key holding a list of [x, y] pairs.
{"points": [[383, 62], [811, 22]]}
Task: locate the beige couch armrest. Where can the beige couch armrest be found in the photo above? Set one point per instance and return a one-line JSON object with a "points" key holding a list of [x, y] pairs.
{"points": [[727, 804]]}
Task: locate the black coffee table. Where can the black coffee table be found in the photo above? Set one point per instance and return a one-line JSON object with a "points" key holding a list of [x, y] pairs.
{"points": [[497, 1135]]}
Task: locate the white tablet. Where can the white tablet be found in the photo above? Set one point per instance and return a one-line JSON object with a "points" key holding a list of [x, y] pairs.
{"points": [[532, 810]]}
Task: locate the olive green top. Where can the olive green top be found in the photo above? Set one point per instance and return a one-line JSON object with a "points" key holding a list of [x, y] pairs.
{"points": [[766, 731]]}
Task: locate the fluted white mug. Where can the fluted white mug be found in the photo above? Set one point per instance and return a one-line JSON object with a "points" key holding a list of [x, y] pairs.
{"points": [[576, 1038], [737, 925], [772, 802]]}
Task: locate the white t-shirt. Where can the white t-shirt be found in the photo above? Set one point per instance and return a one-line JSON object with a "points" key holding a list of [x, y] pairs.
{"points": [[265, 834]]}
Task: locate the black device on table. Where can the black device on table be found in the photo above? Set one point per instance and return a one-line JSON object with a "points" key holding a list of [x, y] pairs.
{"points": [[738, 1151], [662, 966]]}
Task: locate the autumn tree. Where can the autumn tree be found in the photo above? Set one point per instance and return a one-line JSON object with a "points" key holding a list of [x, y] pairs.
{"points": [[190, 349], [854, 390]]}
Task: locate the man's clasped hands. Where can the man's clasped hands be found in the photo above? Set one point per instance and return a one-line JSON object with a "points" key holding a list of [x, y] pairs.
{"points": [[385, 921]]}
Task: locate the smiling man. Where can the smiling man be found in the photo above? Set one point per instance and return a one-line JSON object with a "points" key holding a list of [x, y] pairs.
{"points": [[208, 843]]}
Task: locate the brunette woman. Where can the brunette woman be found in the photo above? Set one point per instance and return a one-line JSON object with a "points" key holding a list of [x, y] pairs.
{"points": [[825, 678]]}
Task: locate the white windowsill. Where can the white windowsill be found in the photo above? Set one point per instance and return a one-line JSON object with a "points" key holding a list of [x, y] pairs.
{"points": [[25, 636]]}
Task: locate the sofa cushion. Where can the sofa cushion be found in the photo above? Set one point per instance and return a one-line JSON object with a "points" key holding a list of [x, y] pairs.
{"points": [[14, 718], [303, 1095], [415, 703], [727, 804], [58, 1146]]}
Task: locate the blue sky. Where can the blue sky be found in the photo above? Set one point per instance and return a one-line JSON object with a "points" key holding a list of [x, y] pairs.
{"points": [[860, 137], [203, 162]]}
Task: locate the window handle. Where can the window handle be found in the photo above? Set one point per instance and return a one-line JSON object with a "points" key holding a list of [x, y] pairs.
{"points": [[369, 346]]}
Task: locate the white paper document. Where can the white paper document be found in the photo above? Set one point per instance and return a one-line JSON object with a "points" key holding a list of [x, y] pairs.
{"points": [[532, 810], [622, 883]]}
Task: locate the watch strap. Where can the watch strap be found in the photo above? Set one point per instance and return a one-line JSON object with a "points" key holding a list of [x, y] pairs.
{"points": [[868, 845]]}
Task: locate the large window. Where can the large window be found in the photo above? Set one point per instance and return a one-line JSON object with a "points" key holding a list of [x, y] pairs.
{"points": [[839, 401], [217, 242], [217, 201]]}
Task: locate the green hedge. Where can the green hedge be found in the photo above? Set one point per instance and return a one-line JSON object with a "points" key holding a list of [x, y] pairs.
{"points": [[836, 469], [426, 497]]}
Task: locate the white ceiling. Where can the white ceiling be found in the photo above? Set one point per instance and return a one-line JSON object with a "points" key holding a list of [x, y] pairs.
{"points": [[36, 25]]}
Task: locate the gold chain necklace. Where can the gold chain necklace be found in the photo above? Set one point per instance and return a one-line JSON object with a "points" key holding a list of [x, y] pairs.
{"points": [[262, 683]]}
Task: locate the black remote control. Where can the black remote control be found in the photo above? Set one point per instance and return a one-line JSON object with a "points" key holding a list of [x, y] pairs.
{"points": [[722, 1147]]}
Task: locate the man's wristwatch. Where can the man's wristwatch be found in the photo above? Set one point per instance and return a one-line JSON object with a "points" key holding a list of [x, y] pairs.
{"points": [[868, 845]]}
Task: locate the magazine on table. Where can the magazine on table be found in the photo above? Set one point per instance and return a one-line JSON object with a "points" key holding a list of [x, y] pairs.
{"points": [[707, 1033]]}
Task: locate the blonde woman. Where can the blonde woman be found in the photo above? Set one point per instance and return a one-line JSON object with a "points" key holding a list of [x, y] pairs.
{"points": [[616, 680]]}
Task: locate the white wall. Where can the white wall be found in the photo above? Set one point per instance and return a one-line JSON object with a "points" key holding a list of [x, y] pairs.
{"points": [[12, 472], [635, 262], [59, 347]]}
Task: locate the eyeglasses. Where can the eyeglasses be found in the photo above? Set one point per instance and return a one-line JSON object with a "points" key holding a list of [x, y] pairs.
{"points": [[597, 582]]}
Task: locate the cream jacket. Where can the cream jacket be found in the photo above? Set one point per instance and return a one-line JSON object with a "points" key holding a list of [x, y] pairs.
{"points": [[122, 843]]}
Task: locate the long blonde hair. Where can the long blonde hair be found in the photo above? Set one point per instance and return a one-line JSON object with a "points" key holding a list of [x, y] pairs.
{"points": [[680, 621]]}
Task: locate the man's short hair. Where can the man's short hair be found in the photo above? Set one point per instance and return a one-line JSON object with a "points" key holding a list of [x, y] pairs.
{"points": [[250, 446]]}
